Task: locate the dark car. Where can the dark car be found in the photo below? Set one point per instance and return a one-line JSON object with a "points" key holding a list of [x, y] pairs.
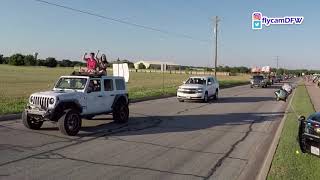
{"points": [[258, 81], [309, 134]]}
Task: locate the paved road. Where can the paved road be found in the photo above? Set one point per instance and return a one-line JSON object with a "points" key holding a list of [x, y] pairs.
{"points": [[164, 139]]}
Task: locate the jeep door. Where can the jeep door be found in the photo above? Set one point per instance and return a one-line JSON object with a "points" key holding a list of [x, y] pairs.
{"points": [[108, 93], [95, 97]]}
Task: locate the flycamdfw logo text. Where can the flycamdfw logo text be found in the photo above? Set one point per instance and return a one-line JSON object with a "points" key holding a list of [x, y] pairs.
{"points": [[258, 20]]}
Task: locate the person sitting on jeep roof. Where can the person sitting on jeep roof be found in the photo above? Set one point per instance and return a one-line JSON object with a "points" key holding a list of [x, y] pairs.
{"points": [[103, 63], [91, 62]]}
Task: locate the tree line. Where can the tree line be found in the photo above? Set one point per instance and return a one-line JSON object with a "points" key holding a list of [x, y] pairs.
{"points": [[29, 60]]}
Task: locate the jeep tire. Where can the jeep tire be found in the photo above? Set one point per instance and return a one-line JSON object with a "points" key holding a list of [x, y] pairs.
{"points": [[70, 123], [30, 122], [120, 112]]}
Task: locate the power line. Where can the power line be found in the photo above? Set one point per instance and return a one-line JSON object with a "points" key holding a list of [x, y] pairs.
{"points": [[122, 21]]}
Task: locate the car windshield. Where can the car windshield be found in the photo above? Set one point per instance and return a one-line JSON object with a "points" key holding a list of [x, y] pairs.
{"points": [[71, 83], [258, 77], [196, 81]]}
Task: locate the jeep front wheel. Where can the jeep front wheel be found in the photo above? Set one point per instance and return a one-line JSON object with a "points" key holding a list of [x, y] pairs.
{"points": [[120, 112], [70, 123], [30, 122]]}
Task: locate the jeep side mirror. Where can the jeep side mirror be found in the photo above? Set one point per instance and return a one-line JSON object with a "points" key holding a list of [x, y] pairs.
{"points": [[301, 118], [89, 90], [184, 82], [209, 83]]}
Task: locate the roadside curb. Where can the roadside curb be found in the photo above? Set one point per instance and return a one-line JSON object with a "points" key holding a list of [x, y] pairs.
{"points": [[9, 117], [263, 173], [151, 98]]}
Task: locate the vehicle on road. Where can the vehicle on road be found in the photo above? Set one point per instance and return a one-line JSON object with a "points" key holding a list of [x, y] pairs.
{"points": [[287, 87], [281, 95], [309, 134], [258, 81], [199, 88], [78, 96]]}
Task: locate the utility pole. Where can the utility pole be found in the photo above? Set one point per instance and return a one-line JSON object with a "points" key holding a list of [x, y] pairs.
{"points": [[216, 45], [277, 59]]}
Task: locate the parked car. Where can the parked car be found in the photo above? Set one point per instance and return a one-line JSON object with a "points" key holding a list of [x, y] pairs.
{"points": [[258, 81], [199, 88], [75, 97], [309, 134]]}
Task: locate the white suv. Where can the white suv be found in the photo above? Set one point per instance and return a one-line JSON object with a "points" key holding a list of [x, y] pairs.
{"points": [[76, 96], [199, 88]]}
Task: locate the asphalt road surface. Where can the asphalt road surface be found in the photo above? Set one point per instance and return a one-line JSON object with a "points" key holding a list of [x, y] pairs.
{"points": [[164, 139]]}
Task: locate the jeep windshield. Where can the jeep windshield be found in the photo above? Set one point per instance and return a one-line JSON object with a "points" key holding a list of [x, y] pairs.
{"points": [[196, 81], [71, 83]]}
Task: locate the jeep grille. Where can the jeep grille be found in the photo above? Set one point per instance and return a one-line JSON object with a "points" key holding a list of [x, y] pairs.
{"points": [[43, 102]]}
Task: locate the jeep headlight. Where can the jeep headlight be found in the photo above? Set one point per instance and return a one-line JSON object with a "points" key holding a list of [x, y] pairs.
{"points": [[31, 99], [51, 101]]}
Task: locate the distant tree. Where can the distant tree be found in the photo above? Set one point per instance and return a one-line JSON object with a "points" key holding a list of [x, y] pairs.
{"points": [[227, 69], [29, 60], [66, 63], [243, 69], [16, 60], [280, 71], [41, 62], [51, 62], [1, 59], [208, 69], [6, 60], [141, 66], [78, 63]]}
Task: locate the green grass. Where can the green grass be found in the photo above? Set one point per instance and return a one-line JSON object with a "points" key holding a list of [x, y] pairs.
{"points": [[17, 83], [287, 164]]}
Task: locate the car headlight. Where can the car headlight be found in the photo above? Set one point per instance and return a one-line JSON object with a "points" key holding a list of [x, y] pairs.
{"points": [[51, 101]]}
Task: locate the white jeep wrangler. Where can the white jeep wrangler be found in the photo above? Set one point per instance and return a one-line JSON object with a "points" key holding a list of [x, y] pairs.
{"points": [[76, 96]]}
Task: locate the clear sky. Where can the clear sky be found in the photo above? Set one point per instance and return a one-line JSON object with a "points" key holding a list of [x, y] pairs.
{"points": [[28, 26]]}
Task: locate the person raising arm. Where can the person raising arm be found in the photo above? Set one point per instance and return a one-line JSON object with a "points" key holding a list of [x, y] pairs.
{"points": [[91, 62]]}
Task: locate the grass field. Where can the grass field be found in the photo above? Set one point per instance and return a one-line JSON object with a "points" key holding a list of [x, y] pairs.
{"points": [[287, 164], [17, 83]]}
